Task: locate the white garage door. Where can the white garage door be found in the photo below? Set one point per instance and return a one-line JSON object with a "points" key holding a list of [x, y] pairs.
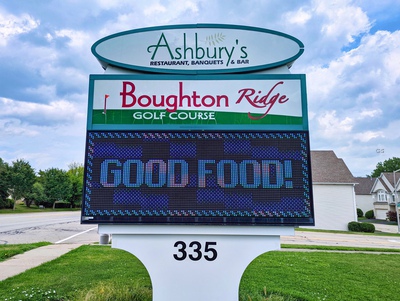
{"points": [[381, 214]]}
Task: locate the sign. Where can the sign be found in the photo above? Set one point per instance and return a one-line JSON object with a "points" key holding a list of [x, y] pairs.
{"points": [[197, 146], [182, 157], [197, 177], [140, 101], [198, 49]]}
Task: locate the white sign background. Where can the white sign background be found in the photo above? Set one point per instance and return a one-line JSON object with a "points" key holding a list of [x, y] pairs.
{"points": [[290, 87], [228, 44]]}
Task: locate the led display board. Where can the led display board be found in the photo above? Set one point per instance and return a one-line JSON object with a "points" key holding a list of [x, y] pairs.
{"points": [[198, 177]]}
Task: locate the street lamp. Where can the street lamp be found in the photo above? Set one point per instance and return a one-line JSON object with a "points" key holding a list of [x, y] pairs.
{"points": [[396, 198]]}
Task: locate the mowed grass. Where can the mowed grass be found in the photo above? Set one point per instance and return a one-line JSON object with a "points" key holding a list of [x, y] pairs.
{"points": [[22, 208], [325, 275], [95, 272], [7, 251], [76, 274]]}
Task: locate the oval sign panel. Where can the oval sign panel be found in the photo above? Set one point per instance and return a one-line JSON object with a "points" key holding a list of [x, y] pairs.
{"points": [[198, 49]]}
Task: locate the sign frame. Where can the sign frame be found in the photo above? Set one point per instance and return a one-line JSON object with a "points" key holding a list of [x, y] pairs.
{"points": [[302, 126], [107, 50], [265, 128]]}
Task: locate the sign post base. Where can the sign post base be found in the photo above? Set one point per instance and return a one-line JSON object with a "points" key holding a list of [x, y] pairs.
{"points": [[195, 262]]}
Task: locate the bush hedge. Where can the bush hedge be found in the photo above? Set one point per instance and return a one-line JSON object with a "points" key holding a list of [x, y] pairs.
{"points": [[354, 226], [361, 227], [391, 216], [360, 213], [369, 214]]}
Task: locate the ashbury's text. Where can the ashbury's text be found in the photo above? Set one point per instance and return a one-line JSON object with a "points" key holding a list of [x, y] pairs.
{"points": [[206, 54], [264, 100]]}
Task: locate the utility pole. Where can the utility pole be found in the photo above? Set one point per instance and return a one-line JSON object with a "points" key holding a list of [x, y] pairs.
{"points": [[396, 200]]}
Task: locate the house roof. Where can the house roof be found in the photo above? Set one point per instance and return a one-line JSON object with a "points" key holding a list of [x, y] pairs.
{"points": [[390, 178], [364, 185], [387, 180], [326, 167]]}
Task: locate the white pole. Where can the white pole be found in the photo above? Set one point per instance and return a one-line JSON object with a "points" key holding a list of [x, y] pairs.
{"points": [[396, 200]]}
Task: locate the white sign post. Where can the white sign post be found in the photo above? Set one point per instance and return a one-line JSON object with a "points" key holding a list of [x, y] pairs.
{"points": [[195, 263]]}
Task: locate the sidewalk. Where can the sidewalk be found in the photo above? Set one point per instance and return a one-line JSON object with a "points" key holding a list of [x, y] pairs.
{"points": [[385, 228], [33, 258]]}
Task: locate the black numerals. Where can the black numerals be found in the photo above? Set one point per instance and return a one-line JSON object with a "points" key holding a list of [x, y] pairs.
{"points": [[208, 250], [181, 250], [196, 255], [195, 251]]}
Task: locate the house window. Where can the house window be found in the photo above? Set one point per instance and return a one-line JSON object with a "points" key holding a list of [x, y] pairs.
{"points": [[382, 196]]}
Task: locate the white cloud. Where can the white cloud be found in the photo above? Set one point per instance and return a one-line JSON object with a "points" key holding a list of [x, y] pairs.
{"points": [[44, 92], [370, 113], [169, 9], [59, 111], [77, 38], [332, 127], [154, 9], [342, 19], [11, 25], [12, 127], [364, 79], [300, 17], [368, 135], [43, 147]]}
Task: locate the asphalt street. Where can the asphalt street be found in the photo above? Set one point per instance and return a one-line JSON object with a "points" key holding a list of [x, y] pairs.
{"points": [[54, 227]]}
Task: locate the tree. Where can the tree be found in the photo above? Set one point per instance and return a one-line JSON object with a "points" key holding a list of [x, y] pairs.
{"points": [[20, 179], [388, 165], [36, 196], [57, 185], [75, 174], [4, 202]]}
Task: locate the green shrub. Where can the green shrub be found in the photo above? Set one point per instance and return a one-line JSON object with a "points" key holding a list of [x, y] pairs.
{"points": [[354, 226], [360, 213], [369, 214], [361, 227], [367, 227]]}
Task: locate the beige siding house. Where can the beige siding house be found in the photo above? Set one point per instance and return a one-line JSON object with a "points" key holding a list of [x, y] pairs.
{"points": [[385, 193], [333, 191], [364, 199]]}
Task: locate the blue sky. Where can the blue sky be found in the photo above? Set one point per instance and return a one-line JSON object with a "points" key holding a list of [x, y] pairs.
{"points": [[351, 60]]}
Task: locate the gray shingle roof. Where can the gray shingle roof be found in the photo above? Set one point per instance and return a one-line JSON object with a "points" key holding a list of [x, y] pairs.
{"points": [[326, 167], [364, 185]]}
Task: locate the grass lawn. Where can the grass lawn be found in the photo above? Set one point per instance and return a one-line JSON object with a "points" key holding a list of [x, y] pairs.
{"points": [[22, 208], [102, 273], [7, 251]]}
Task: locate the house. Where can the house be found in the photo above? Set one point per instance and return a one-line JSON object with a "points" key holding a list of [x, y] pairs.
{"points": [[364, 199], [333, 191], [385, 193]]}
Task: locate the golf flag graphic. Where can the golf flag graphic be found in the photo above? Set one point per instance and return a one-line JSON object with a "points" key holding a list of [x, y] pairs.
{"points": [[105, 103]]}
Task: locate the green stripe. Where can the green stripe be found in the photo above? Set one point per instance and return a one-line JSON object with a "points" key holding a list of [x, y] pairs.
{"points": [[126, 117]]}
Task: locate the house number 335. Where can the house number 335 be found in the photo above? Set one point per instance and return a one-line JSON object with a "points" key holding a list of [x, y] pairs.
{"points": [[194, 251]]}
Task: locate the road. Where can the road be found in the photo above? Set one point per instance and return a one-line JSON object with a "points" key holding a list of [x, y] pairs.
{"points": [[65, 227], [54, 227]]}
